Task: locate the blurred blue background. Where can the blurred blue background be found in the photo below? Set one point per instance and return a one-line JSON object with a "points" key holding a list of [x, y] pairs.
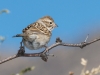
{"points": [[75, 18]]}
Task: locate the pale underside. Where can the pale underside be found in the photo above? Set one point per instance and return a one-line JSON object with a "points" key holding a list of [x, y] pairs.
{"points": [[35, 39]]}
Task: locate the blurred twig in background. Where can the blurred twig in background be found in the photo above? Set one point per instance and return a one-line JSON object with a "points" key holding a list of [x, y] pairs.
{"points": [[2, 39], [94, 71], [4, 11], [25, 70], [84, 63]]}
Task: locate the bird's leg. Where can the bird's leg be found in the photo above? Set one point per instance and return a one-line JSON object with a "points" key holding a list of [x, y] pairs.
{"points": [[21, 51]]}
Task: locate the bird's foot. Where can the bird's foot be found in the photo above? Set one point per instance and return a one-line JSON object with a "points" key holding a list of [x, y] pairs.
{"points": [[21, 51], [44, 56]]}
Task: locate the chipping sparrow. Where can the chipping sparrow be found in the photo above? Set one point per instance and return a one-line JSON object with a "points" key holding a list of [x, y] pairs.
{"points": [[37, 34]]}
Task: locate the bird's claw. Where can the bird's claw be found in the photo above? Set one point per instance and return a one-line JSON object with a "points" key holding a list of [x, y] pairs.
{"points": [[44, 57], [21, 51]]}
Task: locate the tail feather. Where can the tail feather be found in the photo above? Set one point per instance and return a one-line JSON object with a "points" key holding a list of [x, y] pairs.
{"points": [[19, 35]]}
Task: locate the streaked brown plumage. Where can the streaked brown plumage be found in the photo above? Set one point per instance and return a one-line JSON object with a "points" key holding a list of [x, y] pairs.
{"points": [[37, 34]]}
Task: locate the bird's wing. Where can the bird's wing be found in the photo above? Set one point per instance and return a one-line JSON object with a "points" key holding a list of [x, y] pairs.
{"points": [[36, 28]]}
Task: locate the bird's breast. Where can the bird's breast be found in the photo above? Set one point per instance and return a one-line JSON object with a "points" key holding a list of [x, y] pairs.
{"points": [[36, 41]]}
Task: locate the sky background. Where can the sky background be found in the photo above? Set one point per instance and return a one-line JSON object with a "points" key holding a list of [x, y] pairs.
{"points": [[75, 18]]}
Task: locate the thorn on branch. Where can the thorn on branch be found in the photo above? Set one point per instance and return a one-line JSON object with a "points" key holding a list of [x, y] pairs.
{"points": [[50, 55], [86, 38], [83, 44], [58, 40]]}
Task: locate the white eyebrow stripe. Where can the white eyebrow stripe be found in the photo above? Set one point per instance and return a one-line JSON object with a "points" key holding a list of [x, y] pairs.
{"points": [[39, 21]]}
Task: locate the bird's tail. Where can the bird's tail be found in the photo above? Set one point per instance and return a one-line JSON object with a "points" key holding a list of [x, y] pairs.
{"points": [[19, 35]]}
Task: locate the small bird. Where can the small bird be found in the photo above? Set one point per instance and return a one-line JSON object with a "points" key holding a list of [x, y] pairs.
{"points": [[38, 34]]}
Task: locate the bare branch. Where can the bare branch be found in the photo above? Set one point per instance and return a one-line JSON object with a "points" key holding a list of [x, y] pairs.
{"points": [[44, 55], [81, 45], [7, 59]]}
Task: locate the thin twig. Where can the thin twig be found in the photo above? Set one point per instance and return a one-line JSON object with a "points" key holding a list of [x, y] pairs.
{"points": [[43, 54], [7, 59]]}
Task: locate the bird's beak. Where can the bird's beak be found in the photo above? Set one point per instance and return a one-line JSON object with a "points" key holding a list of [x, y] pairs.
{"points": [[56, 25]]}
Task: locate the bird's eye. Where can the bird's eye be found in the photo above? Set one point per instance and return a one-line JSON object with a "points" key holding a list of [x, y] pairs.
{"points": [[50, 22]]}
